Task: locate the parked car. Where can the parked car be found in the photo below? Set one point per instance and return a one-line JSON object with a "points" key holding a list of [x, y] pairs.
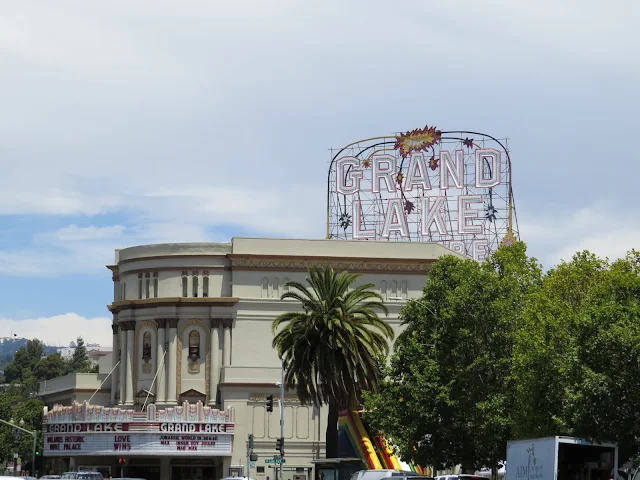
{"points": [[461, 476], [82, 476], [486, 472], [405, 477]]}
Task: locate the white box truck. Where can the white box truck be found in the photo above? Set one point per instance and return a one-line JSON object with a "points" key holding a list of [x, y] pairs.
{"points": [[561, 458]]}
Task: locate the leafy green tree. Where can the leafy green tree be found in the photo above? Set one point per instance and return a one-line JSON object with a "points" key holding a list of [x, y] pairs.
{"points": [[51, 366], [580, 350], [24, 361], [545, 359], [445, 400], [331, 348], [80, 362]]}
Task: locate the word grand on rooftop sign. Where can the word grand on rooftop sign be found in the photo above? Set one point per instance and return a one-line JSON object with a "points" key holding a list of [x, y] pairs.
{"points": [[84, 429], [449, 187]]}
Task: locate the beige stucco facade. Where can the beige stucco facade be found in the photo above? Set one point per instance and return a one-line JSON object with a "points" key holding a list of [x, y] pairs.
{"points": [[192, 322]]}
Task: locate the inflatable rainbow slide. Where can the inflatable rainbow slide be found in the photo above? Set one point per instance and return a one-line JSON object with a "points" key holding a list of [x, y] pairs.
{"points": [[357, 443]]}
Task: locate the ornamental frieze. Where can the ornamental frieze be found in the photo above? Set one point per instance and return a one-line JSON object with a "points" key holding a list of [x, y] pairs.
{"points": [[285, 264]]}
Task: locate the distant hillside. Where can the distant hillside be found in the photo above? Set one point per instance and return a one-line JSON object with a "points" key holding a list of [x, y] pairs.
{"points": [[9, 346]]}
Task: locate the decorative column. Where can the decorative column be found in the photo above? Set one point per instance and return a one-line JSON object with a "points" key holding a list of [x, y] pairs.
{"points": [[128, 399], [114, 362], [214, 376], [122, 353], [161, 362], [172, 361], [226, 347]]}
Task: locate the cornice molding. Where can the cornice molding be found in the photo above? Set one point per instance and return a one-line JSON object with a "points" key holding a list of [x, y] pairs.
{"points": [[157, 269], [260, 262], [117, 307]]}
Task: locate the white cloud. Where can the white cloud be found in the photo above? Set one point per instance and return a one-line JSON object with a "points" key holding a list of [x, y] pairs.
{"points": [[186, 120], [60, 330], [602, 228]]}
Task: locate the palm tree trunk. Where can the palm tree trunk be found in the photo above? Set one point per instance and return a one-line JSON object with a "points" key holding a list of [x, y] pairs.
{"points": [[332, 431]]}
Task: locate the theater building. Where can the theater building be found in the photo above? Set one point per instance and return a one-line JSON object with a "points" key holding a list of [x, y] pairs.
{"points": [[193, 362]]}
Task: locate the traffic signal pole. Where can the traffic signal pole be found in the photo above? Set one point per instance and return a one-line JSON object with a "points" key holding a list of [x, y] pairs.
{"points": [[282, 420]]}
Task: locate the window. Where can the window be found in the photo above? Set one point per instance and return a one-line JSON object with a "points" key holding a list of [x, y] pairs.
{"points": [[264, 284], [194, 345], [394, 288], [205, 286], [285, 287], [404, 289], [195, 286], [260, 469], [139, 286], [155, 285], [147, 289], [274, 288], [124, 291], [383, 289], [146, 346], [185, 284]]}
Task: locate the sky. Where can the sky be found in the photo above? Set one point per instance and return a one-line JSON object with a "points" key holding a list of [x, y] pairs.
{"points": [[127, 123]]}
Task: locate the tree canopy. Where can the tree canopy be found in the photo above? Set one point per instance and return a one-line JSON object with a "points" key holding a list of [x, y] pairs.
{"points": [[445, 400]]}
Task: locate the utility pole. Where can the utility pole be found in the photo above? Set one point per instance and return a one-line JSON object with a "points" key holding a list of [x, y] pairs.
{"points": [[282, 420]]}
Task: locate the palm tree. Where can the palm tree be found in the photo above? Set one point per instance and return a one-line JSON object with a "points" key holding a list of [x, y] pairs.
{"points": [[331, 349]]}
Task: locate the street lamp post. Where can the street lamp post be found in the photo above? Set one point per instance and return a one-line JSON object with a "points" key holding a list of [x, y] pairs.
{"points": [[33, 434]]}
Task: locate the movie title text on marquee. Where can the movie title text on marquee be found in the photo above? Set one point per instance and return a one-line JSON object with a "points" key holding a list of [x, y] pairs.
{"points": [[150, 439]]}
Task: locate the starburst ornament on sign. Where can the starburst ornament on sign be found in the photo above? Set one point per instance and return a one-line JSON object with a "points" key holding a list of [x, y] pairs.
{"points": [[433, 163], [345, 221], [417, 140], [468, 142], [409, 206], [366, 163], [491, 213]]}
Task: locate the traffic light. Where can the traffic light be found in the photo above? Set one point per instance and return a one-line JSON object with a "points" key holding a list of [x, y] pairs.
{"points": [[37, 453], [251, 441], [280, 445], [270, 403], [122, 460]]}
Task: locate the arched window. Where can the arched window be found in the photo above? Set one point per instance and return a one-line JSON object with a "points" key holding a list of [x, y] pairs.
{"points": [[285, 287], [274, 288], [139, 286], [265, 288], [155, 285], [195, 286], [194, 345], [146, 346], [383, 289], [394, 288], [205, 286], [147, 288], [185, 285], [404, 289]]}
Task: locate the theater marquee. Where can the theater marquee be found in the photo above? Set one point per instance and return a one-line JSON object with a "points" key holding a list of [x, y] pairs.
{"points": [[87, 430]]}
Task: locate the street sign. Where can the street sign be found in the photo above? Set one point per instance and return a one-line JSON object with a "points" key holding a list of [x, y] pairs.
{"points": [[274, 460], [252, 464]]}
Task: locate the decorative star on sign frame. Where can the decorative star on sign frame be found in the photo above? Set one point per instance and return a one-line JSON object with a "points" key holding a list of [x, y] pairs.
{"points": [[345, 221]]}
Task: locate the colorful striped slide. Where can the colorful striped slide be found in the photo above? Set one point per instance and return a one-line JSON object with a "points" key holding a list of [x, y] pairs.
{"points": [[379, 457]]}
